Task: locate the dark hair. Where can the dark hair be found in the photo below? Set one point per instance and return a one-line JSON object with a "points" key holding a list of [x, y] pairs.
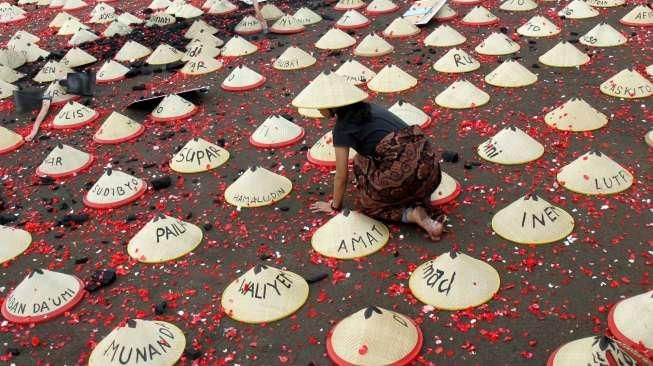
{"points": [[356, 113]]}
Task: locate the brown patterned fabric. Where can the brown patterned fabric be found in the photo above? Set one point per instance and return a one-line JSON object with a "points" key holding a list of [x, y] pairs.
{"points": [[403, 173]]}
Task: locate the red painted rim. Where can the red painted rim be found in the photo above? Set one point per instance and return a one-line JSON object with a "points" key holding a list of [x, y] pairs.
{"points": [[13, 147], [117, 204], [349, 8], [323, 162], [106, 81], [168, 119], [426, 123], [381, 12], [404, 361], [77, 125], [459, 2], [249, 33], [450, 197], [122, 139], [73, 9], [442, 19], [631, 24], [14, 20], [72, 97], [223, 13], [288, 31], [243, 88], [278, 144], [402, 36], [65, 174], [481, 23], [53, 314], [375, 55], [55, 7], [357, 26], [617, 333], [552, 357]]}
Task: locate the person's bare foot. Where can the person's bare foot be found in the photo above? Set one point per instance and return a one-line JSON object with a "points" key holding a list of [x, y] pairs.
{"points": [[432, 227]]}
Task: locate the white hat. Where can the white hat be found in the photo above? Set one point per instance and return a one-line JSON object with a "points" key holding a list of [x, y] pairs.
{"points": [[355, 72], [276, 132], [307, 16], [103, 18], [14, 242], [578, 9], [287, 24], [164, 54], [479, 15], [649, 69], [11, 58], [129, 19], [510, 74], [102, 8], [352, 19], [64, 160], [518, 5], [323, 152], [639, 16], [10, 13], [160, 19], [238, 46], [222, 7], [462, 94], [248, 25], [445, 13], [60, 19], [198, 155], [400, 27], [576, 115], [349, 4], [9, 140], [378, 7], [114, 189], [538, 26], [131, 51], [350, 235], [532, 220], [117, 28], [159, 4], [372, 46], [391, 79], [201, 65], [29, 52], [310, 112], [174, 7], [271, 12], [447, 190], [70, 26], [328, 91], [74, 5], [173, 107], [242, 78], [51, 71], [116, 129], [628, 84], [630, 321], [594, 173], [188, 11], [199, 48], [590, 351], [74, 115], [57, 94], [8, 75], [497, 44], [603, 35], [564, 54], [456, 61], [606, 3], [111, 71], [199, 27], [510, 146], [648, 138], [163, 239], [206, 38], [294, 58], [257, 187], [410, 114], [25, 36], [444, 36], [335, 39], [82, 36], [6, 89], [76, 57]]}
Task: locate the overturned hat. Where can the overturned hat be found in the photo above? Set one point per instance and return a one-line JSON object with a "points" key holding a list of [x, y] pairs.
{"points": [[510, 74], [335, 39], [41, 296], [74, 115], [576, 115], [631, 320], [538, 26], [400, 27], [6, 89], [76, 57], [355, 72], [132, 51], [532, 220], [64, 160], [9, 140], [264, 294], [275, 132], [444, 36], [518, 5], [445, 13], [14, 242], [160, 19], [201, 65], [410, 114], [238, 46], [114, 189], [173, 107], [593, 350], [378, 7], [111, 71], [497, 44], [349, 4], [287, 24], [447, 190], [639, 16], [564, 54], [57, 94], [323, 152], [116, 129], [294, 58], [271, 12], [164, 238], [352, 19], [391, 79], [456, 61], [52, 71], [8, 75], [142, 342], [510, 146], [222, 7], [328, 91], [578, 9], [117, 28], [374, 336], [462, 94], [606, 3], [248, 25], [350, 235], [603, 35], [60, 19], [454, 281], [627, 84], [594, 173], [164, 54], [257, 187], [307, 16], [479, 15], [242, 78], [372, 46], [198, 155]]}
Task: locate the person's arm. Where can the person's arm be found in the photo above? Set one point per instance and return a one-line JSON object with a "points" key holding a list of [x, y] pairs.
{"points": [[340, 179], [45, 108], [259, 15]]}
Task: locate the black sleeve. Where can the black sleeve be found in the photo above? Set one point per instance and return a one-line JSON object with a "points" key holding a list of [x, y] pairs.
{"points": [[343, 138]]}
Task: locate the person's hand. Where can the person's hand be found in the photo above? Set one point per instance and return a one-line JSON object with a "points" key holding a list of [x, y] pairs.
{"points": [[321, 206], [30, 137]]}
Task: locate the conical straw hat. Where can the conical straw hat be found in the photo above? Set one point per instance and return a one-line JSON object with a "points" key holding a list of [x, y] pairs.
{"points": [[117, 28], [14, 242], [8, 75], [173, 107], [538, 26], [9, 140], [53, 4], [117, 128], [76, 57], [102, 8], [264, 294], [174, 7], [129, 19], [378, 7], [510, 74], [11, 58], [640, 16], [372, 46], [518, 5], [349, 4], [510, 146], [25, 36], [352, 19], [198, 155], [111, 71], [627, 84], [29, 52], [6, 89], [606, 3], [82, 36], [276, 132], [201, 65], [10, 14], [188, 11], [131, 51], [576, 115], [310, 113], [603, 35], [103, 18], [564, 54], [355, 72], [307, 16], [497, 44], [206, 38], [462, 94], [589, 350], [248, 25], [222, 7], [445, 13], [400, 27], [199, 26], [70, 27], [631, 320], [294, 58], [64, 160], [238, 46], [164, 342], [479, 15], [350, 235], [114, 189], [374, 336], [74, 5], [328, 91], [57, 94], [410, 114], [444, 36], [74, 115], [454, 281], [160, 19], [532, 220], [287, 24], [242, 78], [257, 187], [578, 9], [159, 4], [52, 71], [271, 12], [335, 39], [323, 152], [198, 48], [594, 173], [649, 70], [391, 79], [60, 19], [649, 138], [41, 296], [164, 54], [447, 190], [163, 239], [456, 61]]}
